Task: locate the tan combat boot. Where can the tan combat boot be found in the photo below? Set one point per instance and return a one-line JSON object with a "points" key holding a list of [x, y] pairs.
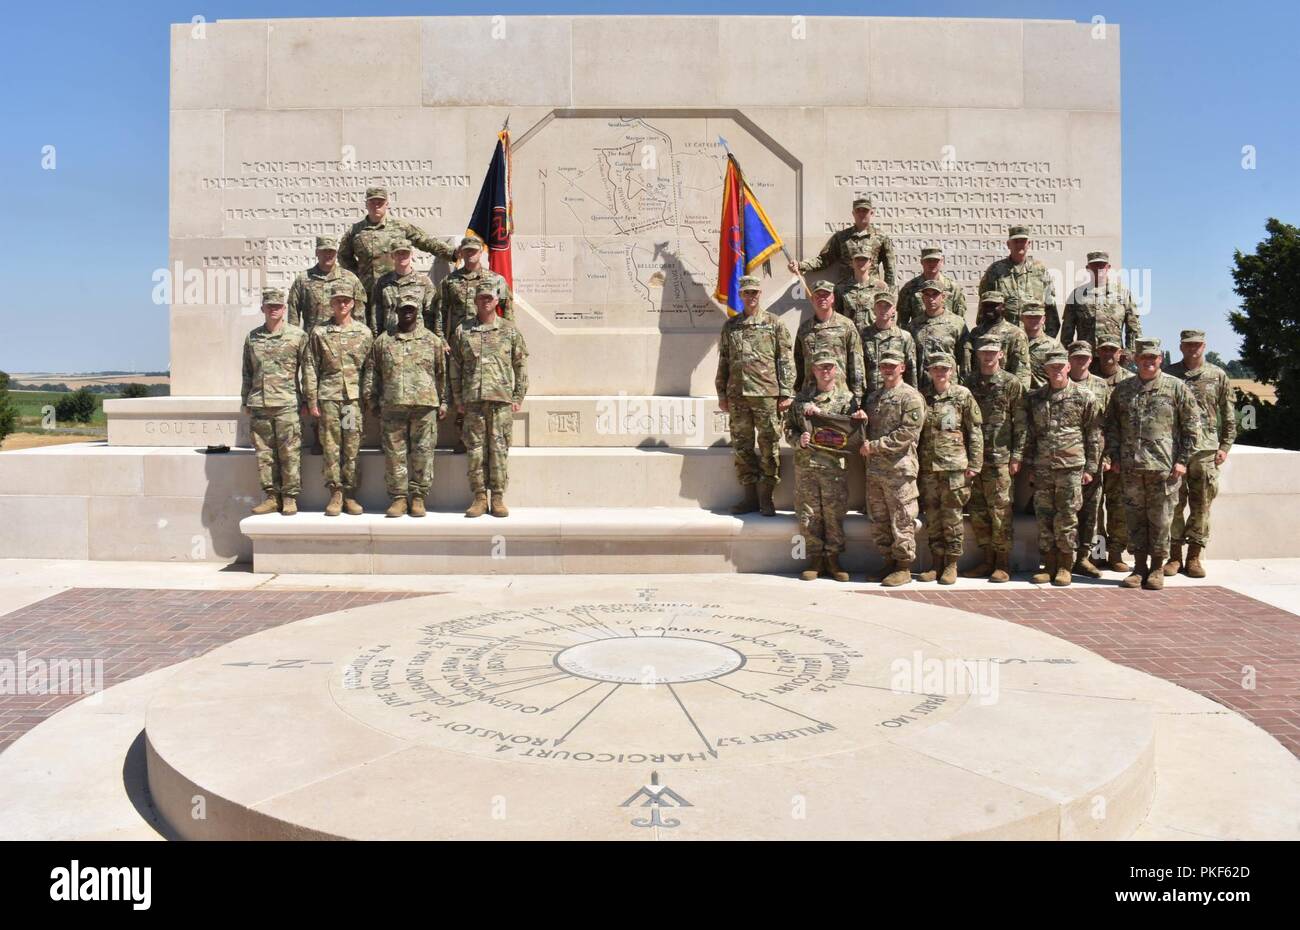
{"points": [[479, 506], [1115, 560], [984, 569], [499, 508], [1194, 567], [288, 505], [1139, 573], [748, 503], [1001, 568], [1064, 559], [765, 505], [902, 574], [335, 506], [397, 508], [813, 571], [1083, 565], [885, 570], [351, 507], [417, 506], [1175, 563], [1155, 579], [936, 567], [949, 574], [1045, 574], [833, 567], [270, 505]]}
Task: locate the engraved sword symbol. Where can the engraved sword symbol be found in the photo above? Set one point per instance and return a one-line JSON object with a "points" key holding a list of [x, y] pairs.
{"points": [[656, 796]]}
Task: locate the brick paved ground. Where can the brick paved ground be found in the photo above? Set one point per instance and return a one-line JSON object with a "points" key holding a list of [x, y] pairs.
{"points": [[1197, 637], [138, 631]]}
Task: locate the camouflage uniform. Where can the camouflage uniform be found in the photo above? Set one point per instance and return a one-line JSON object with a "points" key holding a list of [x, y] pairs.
{"points": [[1001, 402], [1015, 346], [1116, 529], [1095, 314], [272, 391], [1151, 426], [910, 307], [309, 296], [1026, 281], [489, 373], [942, 334], [1039, 348], [1063, 441], [1210, 386], [365, 249], [1090, 509], [755, 372], [456, 295], [405, 379], [837, 336], [876, 342], [821, 493], [895, 417], [951, 442], [333, 372], [844, 244], [390, 288], [857, 299]]}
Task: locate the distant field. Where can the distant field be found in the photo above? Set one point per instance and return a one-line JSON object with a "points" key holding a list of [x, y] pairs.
{"points": [[79, 381], [33, 440], [30, 404], [1265, 392]]}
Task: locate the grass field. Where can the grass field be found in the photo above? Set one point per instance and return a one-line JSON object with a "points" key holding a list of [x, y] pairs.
{"points": [[75, 381], [30, 406]]}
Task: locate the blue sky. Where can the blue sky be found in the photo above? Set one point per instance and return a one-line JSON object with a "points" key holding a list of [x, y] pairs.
{"points": [[79, 244]]}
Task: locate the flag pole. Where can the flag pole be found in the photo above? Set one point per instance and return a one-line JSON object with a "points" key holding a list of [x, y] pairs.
{"points": [[784, 250]]}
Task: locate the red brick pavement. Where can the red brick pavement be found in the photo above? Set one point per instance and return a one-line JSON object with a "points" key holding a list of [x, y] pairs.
{"points": [[1201, 638], [138, 631]]}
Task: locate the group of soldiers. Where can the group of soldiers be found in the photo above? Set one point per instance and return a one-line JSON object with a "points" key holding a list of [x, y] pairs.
{"points": [[363, 334], [951, 416]]}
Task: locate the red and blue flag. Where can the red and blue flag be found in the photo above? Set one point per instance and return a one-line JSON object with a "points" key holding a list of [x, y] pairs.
{"points": [[748, 238], [493, 219]]}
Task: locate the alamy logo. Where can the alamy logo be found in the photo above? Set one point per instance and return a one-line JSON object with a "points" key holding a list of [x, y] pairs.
{"points": [[102, 883]]}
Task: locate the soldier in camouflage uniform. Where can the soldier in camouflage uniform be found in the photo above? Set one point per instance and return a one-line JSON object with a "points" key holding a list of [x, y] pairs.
{"points": [[1000, 396], [821, 496], [458, 288], [272, 396], [828, 332], [1116, 530], [938, 332], [1101, 309], [367, 246], [405, 380], [755, 385], [1152, 427], [1064, 446], [401, 280], [895, 417], [952, 454], [836, 251], [337, 354], [880, 334], [1093, 491], [1015, 345], [910, 304], [855, 298], [1039, 344], [1210, 386], [1021, 276], [489, 378]]}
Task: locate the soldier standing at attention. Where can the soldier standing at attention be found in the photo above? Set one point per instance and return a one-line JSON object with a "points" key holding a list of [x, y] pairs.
{"points": [[402, 279], [855, 297], [828, 332], [405, 379], [910, 306], [1093, 491], [337, 353], [1040, 344], [1210, 386], [1152, 428], [489, 378], [1024, 277], [755, 385], [1101, 309], [1110, 371], [272, 396], [952, 454], [1064, 445], [880, 334], [938, 332], [836, 251], [895, 417], [1015, 345], [366, 248], [821, 483], [458, 288], [1000, 396]]}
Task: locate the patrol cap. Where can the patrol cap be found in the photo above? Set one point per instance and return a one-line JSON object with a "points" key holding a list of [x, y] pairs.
{"points": [[1056, 355], [883, 295], [892, 355], [327, 242], [749, 283], [1080, 347], [940, 360], [822, 358], [376, 193], [993, 297], [485, 287], [400, 245], [1018, 232], [1149, 346], [473, 243], [1192, 335], [342, 289], [863, 201], [934, 285], [409, 299], [1032, 308], [989, 344], [272, 296], [931, 252], [824, 286], [1109, 341], [1098, 258], [859, 248]]}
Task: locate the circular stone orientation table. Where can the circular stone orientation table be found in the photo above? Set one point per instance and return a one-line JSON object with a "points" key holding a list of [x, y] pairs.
{"points": [[680, 709]]}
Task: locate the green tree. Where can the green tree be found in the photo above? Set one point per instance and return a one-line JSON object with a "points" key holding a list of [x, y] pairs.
{"points": [[8, 412], [78, 407], [1269, 323], [134, 390]]}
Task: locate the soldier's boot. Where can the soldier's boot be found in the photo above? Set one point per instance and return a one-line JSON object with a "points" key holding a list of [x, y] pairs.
{"points": [[748, 503], [1083, 565], [288, 505], [1175, 563], [949, 574], [1155, 579], [984, 569], [479, 505], [1115, 559], [901, 574], [499, 508], [397, 508], [1045, 574], [885, 570], [814, 569], [765, 505], [936, 567], [417, 506], [270, 505], [833, 567], [1139, 573], [350, 505], [1194, 567], [1001, 568], [1064, 559], [335, 506]]}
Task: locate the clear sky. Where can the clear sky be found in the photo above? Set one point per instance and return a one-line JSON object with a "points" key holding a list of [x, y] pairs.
{"points": [[79, 244]]}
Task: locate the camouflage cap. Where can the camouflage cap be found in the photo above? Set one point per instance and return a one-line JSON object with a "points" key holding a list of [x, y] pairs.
{"points": [[1056, 355], [273, 296], [1098, 258], [887, 296], [474, 243], [823, 286], [989, 343], [1192, 335], [376, 193], [935, 285], [1032, 308], [1149, 347], [940, 360], [485, 287], [749, 283], [892, 355], [993, 297], [859, 249], [1111, 342], [409, 299], [931, 252], [400, 245], [1018, 232], [342, 289], [327, 242], [824, 357], [863, 201], [1080, 347]]}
